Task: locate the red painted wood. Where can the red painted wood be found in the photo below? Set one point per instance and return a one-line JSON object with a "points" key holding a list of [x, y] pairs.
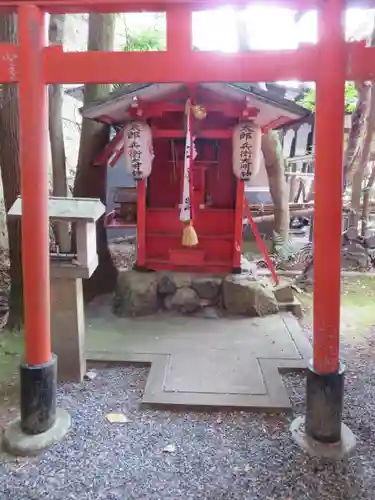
{"points": [[301, 64], [143, 67], [184, 257], [102, 6], [116, 157], [260, 243], [215, 234], [164, 181], [206, 268], [221, 182], [141, 223], [216, 249], [34, 186], [210, 221], [276, 123], [199, 183], [107, 152], [238, 224], [328, 188], [227, 108], [179, 30], [202, 134]]}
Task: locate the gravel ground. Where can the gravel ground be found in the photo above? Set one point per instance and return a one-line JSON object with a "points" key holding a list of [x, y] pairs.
{"points": [[211, 456]]}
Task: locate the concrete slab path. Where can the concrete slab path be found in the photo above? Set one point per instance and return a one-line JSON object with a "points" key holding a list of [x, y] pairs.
{"points": [[196, 362]]}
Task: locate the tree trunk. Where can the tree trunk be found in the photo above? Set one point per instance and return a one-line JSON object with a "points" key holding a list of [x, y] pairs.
{"points": [[366, 202], [367, 100], [293, 184], [358, 129], [359, 172], [56, 134], [90, 180], [10, 174], [275, 167]]}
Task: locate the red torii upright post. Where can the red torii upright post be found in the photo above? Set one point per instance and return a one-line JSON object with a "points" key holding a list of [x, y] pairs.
{"points": [[38, 372], [321, 431], [33, 66], [38, 426]]}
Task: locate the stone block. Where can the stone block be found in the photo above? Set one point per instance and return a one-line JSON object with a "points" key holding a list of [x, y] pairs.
{"points": [[68, 328], [284, 292], [185, 300], [166, 285], [244, 295], [207, 287], [168, 302], [182, 279], [354, 257], [136, 294]]}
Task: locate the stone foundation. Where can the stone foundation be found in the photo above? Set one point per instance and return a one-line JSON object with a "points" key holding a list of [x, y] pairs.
{"points": [[142, 293]]}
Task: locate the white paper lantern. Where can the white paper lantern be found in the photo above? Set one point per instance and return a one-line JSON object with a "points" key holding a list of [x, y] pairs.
{"points": [[247, 137], [138, 149]]}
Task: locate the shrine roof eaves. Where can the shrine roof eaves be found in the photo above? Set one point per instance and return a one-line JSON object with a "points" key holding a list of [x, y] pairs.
{"points": [[120, 98]]}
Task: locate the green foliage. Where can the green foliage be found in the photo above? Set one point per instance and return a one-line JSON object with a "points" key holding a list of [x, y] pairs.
{"points": [[308, 100], [149, 39], [145, 40]]}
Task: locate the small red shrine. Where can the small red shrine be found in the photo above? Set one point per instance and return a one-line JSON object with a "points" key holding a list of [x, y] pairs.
{"points": [[208, 135]]}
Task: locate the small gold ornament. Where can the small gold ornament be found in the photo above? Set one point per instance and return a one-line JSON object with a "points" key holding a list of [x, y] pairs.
{"points": [[199, 112]]}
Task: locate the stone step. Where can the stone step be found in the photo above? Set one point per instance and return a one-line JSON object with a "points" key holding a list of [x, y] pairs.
{"points": [[295, 307]]}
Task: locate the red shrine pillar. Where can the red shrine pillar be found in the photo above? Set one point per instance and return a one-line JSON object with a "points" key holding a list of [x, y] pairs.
{"points": [[238, 227], [38, 372], [321, 431]]}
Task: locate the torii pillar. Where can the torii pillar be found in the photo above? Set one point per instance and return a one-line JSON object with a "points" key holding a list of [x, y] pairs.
{"points": [[321, 431], [40, 424]]}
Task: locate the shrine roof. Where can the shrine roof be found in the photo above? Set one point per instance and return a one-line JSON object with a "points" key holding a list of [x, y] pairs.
{"points": [[270, 101]]}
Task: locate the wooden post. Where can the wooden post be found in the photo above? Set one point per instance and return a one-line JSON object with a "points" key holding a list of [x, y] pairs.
{"points": [[179, 30], [141, 223], [38, 373], [238, 226], [330, 101], [321, 432]]}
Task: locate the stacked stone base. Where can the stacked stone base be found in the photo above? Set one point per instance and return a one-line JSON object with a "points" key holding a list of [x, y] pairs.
{"points": [[141, 294]]}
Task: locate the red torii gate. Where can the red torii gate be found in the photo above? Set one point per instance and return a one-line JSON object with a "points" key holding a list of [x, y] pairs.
{"points": [[33, 65]]}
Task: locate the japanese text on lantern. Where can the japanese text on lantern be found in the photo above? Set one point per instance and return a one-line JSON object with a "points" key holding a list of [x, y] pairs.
{"points": [[134, 135], [246, 151]]}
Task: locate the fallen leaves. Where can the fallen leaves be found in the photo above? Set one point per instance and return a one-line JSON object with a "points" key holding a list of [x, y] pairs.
{"points": [[117, 418], [170, 448]]}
